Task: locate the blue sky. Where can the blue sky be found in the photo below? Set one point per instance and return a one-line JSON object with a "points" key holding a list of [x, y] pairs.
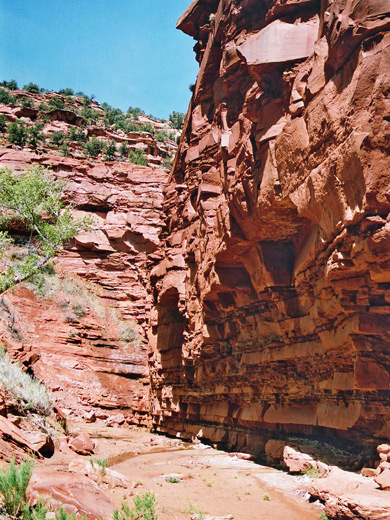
{"points": [[125, 52]]}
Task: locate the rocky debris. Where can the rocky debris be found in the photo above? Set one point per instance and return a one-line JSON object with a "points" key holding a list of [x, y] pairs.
{"points": [[98, 473], [82, 444], [297, 462], [271, 293], [347, 495], [80, 495], [41, 442]]}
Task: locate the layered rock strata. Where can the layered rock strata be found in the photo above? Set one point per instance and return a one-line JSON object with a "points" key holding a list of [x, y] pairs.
{"points": [[272, 313], [83, 330]]}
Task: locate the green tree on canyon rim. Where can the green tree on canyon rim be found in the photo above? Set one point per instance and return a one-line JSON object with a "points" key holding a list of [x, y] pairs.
{"points": [[35, 223]]}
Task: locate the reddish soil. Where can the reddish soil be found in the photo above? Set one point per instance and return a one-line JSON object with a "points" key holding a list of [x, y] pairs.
{"points": [[213, 482]]}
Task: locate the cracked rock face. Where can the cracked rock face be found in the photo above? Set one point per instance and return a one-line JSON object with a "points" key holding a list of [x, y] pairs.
{"points": [[85, 336], [271, 315]]}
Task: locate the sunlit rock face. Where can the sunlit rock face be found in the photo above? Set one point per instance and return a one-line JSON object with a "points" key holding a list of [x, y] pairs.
{"points": [[83, 333], [272, 315]]}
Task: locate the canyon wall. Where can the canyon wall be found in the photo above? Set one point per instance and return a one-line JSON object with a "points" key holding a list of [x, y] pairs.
{"points": [[272, 318], [82, 330]]}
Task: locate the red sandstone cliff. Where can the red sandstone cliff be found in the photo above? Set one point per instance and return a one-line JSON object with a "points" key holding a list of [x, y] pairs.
{"points": [[272, 316], [83, 330]]}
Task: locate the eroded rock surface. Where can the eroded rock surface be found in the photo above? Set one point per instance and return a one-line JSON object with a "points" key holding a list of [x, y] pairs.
{"points": [[272, 313], [84, 331]]}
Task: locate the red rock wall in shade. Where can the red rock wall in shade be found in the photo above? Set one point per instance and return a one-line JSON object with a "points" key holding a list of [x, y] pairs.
{"points": [[272, 315], [86, 338]]}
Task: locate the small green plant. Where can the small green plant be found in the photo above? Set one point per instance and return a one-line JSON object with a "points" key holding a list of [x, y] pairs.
{"points": [[93, 147], [323, 516], [138, 156], [266, 497], [62, 514], [35, 136], [13, 484], [56, 102], [123, 150], [3, 122], [311, 471], [29, 391], [6, 97], [32, 87], [161, 137], [77, 135], [79, 311], [64, 150], [43, 107], [57, 138], [102, 463], [193, 509], [10, 85], [144, 508], [38, 512], [17, 133], [176, 119], [27, 102], [172, 480], [66, 92], [109, 151]]}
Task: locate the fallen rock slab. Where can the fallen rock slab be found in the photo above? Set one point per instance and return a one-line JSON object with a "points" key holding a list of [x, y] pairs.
{"points": [[349, 496], [75, 493], [98, 474], [82, 444]]}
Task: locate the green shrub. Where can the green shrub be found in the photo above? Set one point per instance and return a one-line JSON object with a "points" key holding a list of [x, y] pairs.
{"points": [[38, 512], [13, 484], [43, 107], [167, 163], [66, 92], [35, 136], [144, 508], [26, 102], [161, 136], [56, 102], [17, 133], [29, 391], [102, 463], [172, 480], [3, 122], [93, 147], [32, 87], [109, 151], [123, 149], [176, 119], [77, 135], [57, 138], [64, 150], [10, 85], [134, 111], [138, 156], [6, 98], [90, 114]]}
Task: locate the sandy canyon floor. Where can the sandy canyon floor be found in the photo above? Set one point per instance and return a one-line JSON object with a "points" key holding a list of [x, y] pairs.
{"points": [[210, 482]]}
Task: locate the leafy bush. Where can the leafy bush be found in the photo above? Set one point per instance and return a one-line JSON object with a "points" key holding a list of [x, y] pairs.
{"points": [[90, 114], [123, 149], [93, 147], [167, 163], [176, 119], [77, 135], [161, 136], [43, 107], [56, 102], [26, 389], [3, 122], [138, 156], [64, 150], [10, 85], [13, 485], [35, 136], [26, 102], [24, 198], [6, 97], [32, 87], [109, 151], [66, 92], [57, 138], [134, 111], [145, 508], [17, 133]]}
